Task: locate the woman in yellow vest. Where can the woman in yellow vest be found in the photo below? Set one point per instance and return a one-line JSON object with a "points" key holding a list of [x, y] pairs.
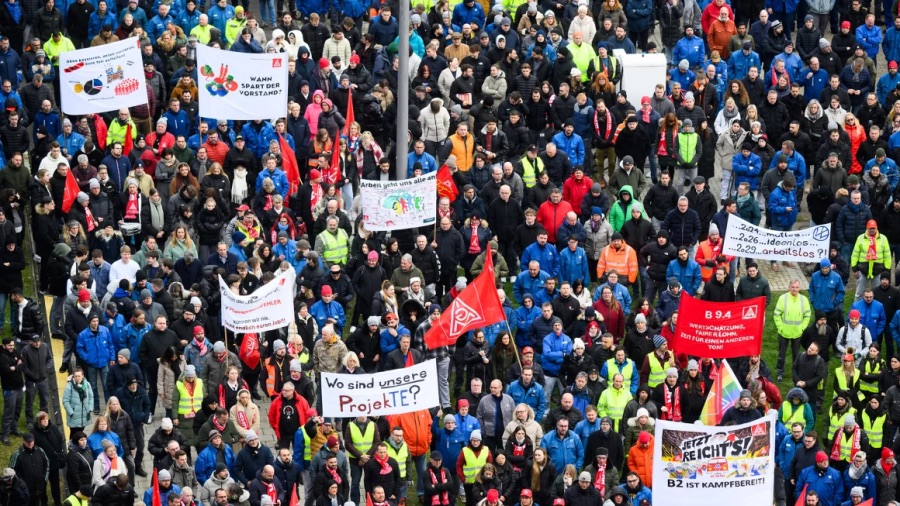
{"points": [[188, 401], [847, 379], [471, 459], [796, 408], [873, 420], [870, 369], [838, 411]]}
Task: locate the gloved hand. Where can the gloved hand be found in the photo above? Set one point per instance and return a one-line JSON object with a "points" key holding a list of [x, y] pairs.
{"points": [[710, 263]]}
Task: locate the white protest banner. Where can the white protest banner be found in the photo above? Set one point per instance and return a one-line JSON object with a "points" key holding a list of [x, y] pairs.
{"points": [[384, 393], [270, 307], [744, 239], [241, 85], [396, 205], [698, 464], [102, 78]]}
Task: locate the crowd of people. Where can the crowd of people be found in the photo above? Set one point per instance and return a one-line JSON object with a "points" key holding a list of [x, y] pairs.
{"points": [[596, 206]]}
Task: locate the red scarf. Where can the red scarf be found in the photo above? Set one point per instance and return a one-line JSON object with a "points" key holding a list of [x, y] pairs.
{"points": [[219, 426], [409, 359], [872, 252], [202, 346], [272, 492], [672, 403], [518, 450], [89, 217], [334, 474], [442, 499], [268, 205], [385, 465], [242, 419], [131, 208], [600, 480], [836, 445], [474, 246], [609, 126]]}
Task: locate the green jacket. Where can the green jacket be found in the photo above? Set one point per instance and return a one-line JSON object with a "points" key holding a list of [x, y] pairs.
{"points": [[792, 315], [882, 261], [689, 149], [233, 29], [619, 213]]}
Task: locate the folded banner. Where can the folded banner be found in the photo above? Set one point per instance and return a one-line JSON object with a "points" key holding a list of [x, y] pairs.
{"points": [[384, 393], [744, 239], [719, 329], [270, 307], [696, 464], [102, 78], [241, 85], [396, 205]]}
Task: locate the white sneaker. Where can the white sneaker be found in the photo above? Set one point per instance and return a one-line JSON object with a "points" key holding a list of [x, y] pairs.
{"points": [[512, 279]]}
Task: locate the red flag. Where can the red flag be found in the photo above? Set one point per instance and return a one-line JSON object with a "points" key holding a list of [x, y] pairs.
{"points": [[294, 500], [128, 145], [409, 360], [249, 351], [445, 185], [156, 501], [801, 499], [289, 164], [476, 306], [333, 173], [368, 499], [71, 191], [349, 117]]}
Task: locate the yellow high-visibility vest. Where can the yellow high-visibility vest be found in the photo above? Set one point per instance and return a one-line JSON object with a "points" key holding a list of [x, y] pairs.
{"points": [[473, 463]]}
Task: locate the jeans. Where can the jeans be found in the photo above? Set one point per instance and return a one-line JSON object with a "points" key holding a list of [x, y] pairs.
{"points": [[443, 371], [267, 11], [420, 462], [847, 250], [91, 373], [654, 166], [550, 383], [42, 389], [347, 195], [356, 472], [782, 350], [12, 408], [3, 298], [645, 280]]}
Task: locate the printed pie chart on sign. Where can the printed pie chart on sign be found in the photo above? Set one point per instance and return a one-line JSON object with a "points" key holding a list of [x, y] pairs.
{"points": [[93, 87]]}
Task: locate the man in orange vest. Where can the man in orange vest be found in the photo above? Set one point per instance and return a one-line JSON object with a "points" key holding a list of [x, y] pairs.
{"points": [[276, 370], [709, 254]]}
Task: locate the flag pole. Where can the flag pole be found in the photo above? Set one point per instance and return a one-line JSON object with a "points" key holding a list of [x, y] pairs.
{"points": [[512, 340]]}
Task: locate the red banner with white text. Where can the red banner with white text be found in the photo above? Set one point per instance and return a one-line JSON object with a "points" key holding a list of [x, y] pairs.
{"points": [[719, 329]]}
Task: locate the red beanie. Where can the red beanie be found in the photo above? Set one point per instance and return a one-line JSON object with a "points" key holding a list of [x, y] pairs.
{"points": [[84, 295], [821, 457]]}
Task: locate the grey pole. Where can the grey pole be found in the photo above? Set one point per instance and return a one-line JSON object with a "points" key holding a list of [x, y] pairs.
{"points": [[402, 125]]}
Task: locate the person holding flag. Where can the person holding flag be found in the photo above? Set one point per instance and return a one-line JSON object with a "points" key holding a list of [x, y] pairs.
{"points": [[441, 354]]}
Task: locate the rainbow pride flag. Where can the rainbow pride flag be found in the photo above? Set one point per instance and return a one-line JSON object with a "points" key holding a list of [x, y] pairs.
{"points": [[723, 394]]}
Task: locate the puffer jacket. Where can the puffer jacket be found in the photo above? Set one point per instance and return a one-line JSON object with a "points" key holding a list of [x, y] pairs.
{"points": [[779, 201], [78, 403], [851, 222], [640, 461], [165, 382]]}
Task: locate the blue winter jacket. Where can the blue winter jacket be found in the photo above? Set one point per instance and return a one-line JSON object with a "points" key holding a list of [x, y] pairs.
{"points": [[555, 350], [888, 168], [739, 64], [163, 494], [851, 222], [826, 293], [429, 164], [828, 483], [788, 6], [466, 424], [886, 84], [746, 169], [871, 315], [692, 49], [812, 87], [178, 123], [278, 177], [322, 312], [95, 442], [639, 14], [385, 33], [116, 328], [156, 26], [793, 64], [688, 275], [571, 145], [796, 164], [352, 8], [9, 66], [189, 20], [71, 144], [131, 339], [891, 44], [96, 22], [463, 14], [573, 265], [205, 465], [49, 120], [546, 256], [582, 120], [246, 465], [866, 482], [869, 38], [526, 284], [258, 141], [584, 428], [567, 450], [685, 79], [524, 319], [449, 443], [785, 452], [218, 17], [96, 348], [390, 343], [619, 292], [138, 14], [532, 395], [779, 201]]}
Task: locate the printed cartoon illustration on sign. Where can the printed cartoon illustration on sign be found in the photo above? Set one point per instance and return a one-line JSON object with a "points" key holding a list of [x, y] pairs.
{"points": [[221, 84]]}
